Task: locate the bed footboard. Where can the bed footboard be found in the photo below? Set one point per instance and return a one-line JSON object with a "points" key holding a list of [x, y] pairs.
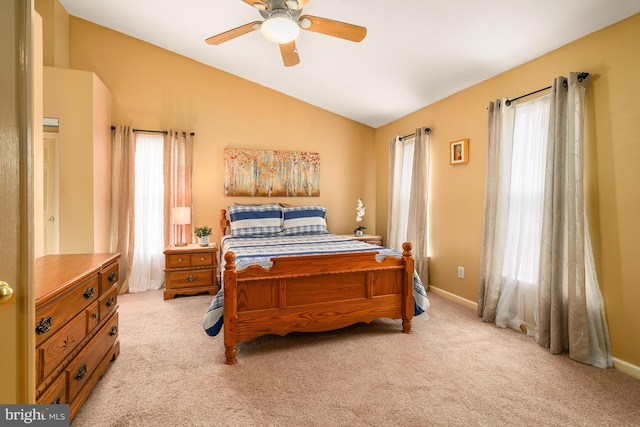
{"points": [[314, 293]]}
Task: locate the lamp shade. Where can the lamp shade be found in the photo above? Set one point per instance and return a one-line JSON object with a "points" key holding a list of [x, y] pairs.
{"points": [[280, 28], [181, 215]]}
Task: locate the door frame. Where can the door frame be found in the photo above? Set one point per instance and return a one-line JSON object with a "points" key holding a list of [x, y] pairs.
{"points": [[17, 316]]}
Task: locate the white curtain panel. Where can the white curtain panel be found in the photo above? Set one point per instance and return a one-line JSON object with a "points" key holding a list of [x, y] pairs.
{"points": [[122, 185], [178, 166], [394, 228], [501, 121], [571, 307], [559, 266], [408, 196], [518, 303], [147, 270]]}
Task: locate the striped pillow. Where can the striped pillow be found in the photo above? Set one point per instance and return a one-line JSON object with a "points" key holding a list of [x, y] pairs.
{"points": [[305, 220], [260, 220]]}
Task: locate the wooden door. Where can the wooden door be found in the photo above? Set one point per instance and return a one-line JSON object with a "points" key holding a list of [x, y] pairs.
{"points": [[17, 338]]}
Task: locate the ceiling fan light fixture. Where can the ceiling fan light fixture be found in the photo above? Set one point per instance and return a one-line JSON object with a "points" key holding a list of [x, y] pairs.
{"points": [[280, 28]]}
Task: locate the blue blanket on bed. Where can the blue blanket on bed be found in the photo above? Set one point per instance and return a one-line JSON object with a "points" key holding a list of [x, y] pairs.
{"points": [[260, 250]]}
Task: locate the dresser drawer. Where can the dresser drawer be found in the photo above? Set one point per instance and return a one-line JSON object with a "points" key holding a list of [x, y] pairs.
{"points": [[54, 315], [81, 368], [55, 350], [93, 316], [56, 393], [108, 277], [190, 279], [108, 302]]}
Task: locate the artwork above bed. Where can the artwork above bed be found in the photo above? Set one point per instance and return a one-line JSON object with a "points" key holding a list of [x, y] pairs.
{"points": [[260, 173]]}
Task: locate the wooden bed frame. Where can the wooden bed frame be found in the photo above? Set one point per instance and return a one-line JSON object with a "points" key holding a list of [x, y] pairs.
{"points": [[313, 293]]}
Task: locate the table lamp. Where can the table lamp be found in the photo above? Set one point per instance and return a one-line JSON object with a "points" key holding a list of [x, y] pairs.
{"points": [[180, 216]]}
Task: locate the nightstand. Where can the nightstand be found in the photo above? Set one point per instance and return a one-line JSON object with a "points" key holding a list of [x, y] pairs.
{"points": [[367, 238], [190, 270]]}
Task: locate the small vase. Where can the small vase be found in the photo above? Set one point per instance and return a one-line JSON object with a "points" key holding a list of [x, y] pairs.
{"points": [[204, 241], [359, 233]]}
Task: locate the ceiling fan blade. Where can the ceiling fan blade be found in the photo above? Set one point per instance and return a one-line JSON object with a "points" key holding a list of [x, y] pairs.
{"points": [[333, 28], [258, 4], [289, 54], [232, 34]]}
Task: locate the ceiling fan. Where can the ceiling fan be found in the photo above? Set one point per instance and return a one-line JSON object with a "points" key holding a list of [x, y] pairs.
{"points": [[282, 24]]}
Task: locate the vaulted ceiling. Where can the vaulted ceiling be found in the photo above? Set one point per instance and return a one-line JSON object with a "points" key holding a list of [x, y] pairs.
{"points": [[415, 52]]}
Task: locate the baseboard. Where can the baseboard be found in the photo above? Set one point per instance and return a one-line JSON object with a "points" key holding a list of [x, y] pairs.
{"points": [[453, 297], [626, 367], [618, 364]]}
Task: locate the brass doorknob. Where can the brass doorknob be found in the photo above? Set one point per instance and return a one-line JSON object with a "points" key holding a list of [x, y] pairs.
{"points": [[6, 293]]}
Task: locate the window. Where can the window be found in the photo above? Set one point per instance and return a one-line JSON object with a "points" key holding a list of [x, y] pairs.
{"points": [[520, 270], [404, 195], [148, 260]]}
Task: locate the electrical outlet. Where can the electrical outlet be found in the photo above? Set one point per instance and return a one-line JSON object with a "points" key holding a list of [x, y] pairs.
{"points": [[461, 272]]}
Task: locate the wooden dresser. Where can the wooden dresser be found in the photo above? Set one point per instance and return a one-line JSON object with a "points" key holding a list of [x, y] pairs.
{"points": [[76, 325], [190, 270]]}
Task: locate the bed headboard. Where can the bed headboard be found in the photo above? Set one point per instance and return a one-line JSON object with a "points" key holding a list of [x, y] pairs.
{"points": [[224, 222]]}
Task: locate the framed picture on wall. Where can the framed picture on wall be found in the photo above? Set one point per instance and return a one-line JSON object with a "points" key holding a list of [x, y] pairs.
{"points": [[459, 152]]}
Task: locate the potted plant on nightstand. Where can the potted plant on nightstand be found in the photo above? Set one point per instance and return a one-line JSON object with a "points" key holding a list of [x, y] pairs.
{"points": [[203, 234], [360, 208]]}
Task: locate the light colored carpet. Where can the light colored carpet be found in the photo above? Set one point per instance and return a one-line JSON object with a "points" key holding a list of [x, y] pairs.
{"points": [[453, 370]]}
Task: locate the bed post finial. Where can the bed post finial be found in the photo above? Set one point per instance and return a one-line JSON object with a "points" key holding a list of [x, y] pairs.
{"points": [[224, 222], [406, 246], [229, 261]]}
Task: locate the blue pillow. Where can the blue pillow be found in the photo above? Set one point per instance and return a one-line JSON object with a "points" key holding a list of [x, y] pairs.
{"points": [[259, 220], [305, 220]]}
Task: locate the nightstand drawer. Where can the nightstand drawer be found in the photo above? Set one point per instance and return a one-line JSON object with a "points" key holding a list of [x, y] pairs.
{"points": [[190, 279], [202, 260], [178, 261]]}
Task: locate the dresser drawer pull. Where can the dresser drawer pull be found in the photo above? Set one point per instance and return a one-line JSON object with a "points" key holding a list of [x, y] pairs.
{"points": [[114, 331], [81, 372], [110, 301], [88, 293], [192, 278], [201, 258], [56, 401], [179, 259], [44, 325], [112, 276], [95, 315]]}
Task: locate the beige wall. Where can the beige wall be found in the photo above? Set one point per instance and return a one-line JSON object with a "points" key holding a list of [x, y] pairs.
{"points": [[156, 89], [612, 56], [56, 33], [84, 156], [101, 177]]}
